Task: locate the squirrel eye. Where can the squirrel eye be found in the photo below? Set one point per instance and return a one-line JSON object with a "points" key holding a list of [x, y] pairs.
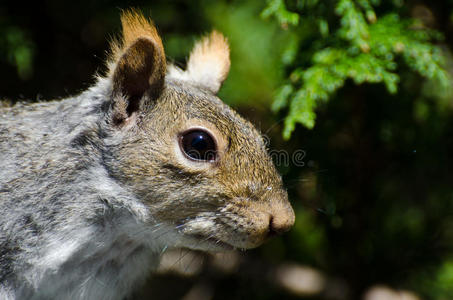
{"points": [[198, 145]]}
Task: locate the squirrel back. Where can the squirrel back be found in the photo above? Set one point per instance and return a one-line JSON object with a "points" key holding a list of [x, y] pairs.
{"points": [[95, 187]]}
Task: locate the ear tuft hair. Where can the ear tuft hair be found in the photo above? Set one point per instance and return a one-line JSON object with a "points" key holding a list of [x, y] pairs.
{"points": [[135, 26], [209, 63], [137, 67]]}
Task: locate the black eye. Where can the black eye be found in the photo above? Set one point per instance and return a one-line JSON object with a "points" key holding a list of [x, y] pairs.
{"points": [[198, 145]]}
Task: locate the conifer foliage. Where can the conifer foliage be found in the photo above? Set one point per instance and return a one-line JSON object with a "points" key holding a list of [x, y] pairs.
{"points": [[348, 39]]}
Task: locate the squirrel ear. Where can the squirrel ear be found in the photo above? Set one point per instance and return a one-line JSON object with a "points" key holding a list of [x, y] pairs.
{"points": [[139, 66], [209, 62]]}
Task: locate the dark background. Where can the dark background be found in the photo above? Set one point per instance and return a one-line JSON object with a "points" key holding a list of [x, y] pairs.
{"points": [[373, 197]]}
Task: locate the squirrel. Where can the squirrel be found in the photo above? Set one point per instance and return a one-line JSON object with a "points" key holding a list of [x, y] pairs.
{"points": [[94, 188]]}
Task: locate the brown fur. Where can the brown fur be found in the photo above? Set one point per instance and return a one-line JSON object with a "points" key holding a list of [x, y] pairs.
{"points": [[95, 187], [139, 65], [209, 63], [212, 50], [134, 26]]}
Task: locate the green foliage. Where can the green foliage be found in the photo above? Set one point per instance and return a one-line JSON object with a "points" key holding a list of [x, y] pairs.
{"points": [[255, 52], [19, 50], [352, 44], [278, 9], [374, 199], [437, 283], [444, 280]]}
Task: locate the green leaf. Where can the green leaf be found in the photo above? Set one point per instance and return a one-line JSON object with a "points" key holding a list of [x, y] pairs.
{"points": [[277, 8], [281, 97], [363, 48]]}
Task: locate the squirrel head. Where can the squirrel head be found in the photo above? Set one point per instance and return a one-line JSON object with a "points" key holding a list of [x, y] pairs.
{"points": [[199, 167]]}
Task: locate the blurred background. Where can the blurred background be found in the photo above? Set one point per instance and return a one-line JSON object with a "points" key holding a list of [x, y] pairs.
{"points": [[355, 98]]}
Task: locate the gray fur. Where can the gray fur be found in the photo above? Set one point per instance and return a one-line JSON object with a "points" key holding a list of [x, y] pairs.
{"points": [[61, 210], [94, 188]]}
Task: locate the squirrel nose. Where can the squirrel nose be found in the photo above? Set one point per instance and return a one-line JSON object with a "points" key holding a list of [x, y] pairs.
{"points": [[281, 221]]}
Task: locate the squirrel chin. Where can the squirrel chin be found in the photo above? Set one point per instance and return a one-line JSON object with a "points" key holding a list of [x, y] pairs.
{"points": [[208, 244]]}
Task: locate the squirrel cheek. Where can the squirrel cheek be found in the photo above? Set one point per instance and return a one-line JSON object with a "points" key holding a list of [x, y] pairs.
{"points": [[199, 225]]}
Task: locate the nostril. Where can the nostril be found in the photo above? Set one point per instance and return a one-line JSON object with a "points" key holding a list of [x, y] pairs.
{"points": [[272, 230], [278, 225]]}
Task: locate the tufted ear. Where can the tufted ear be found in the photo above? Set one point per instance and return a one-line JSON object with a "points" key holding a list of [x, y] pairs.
{"points": [[137, 67], [209, 63]]}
